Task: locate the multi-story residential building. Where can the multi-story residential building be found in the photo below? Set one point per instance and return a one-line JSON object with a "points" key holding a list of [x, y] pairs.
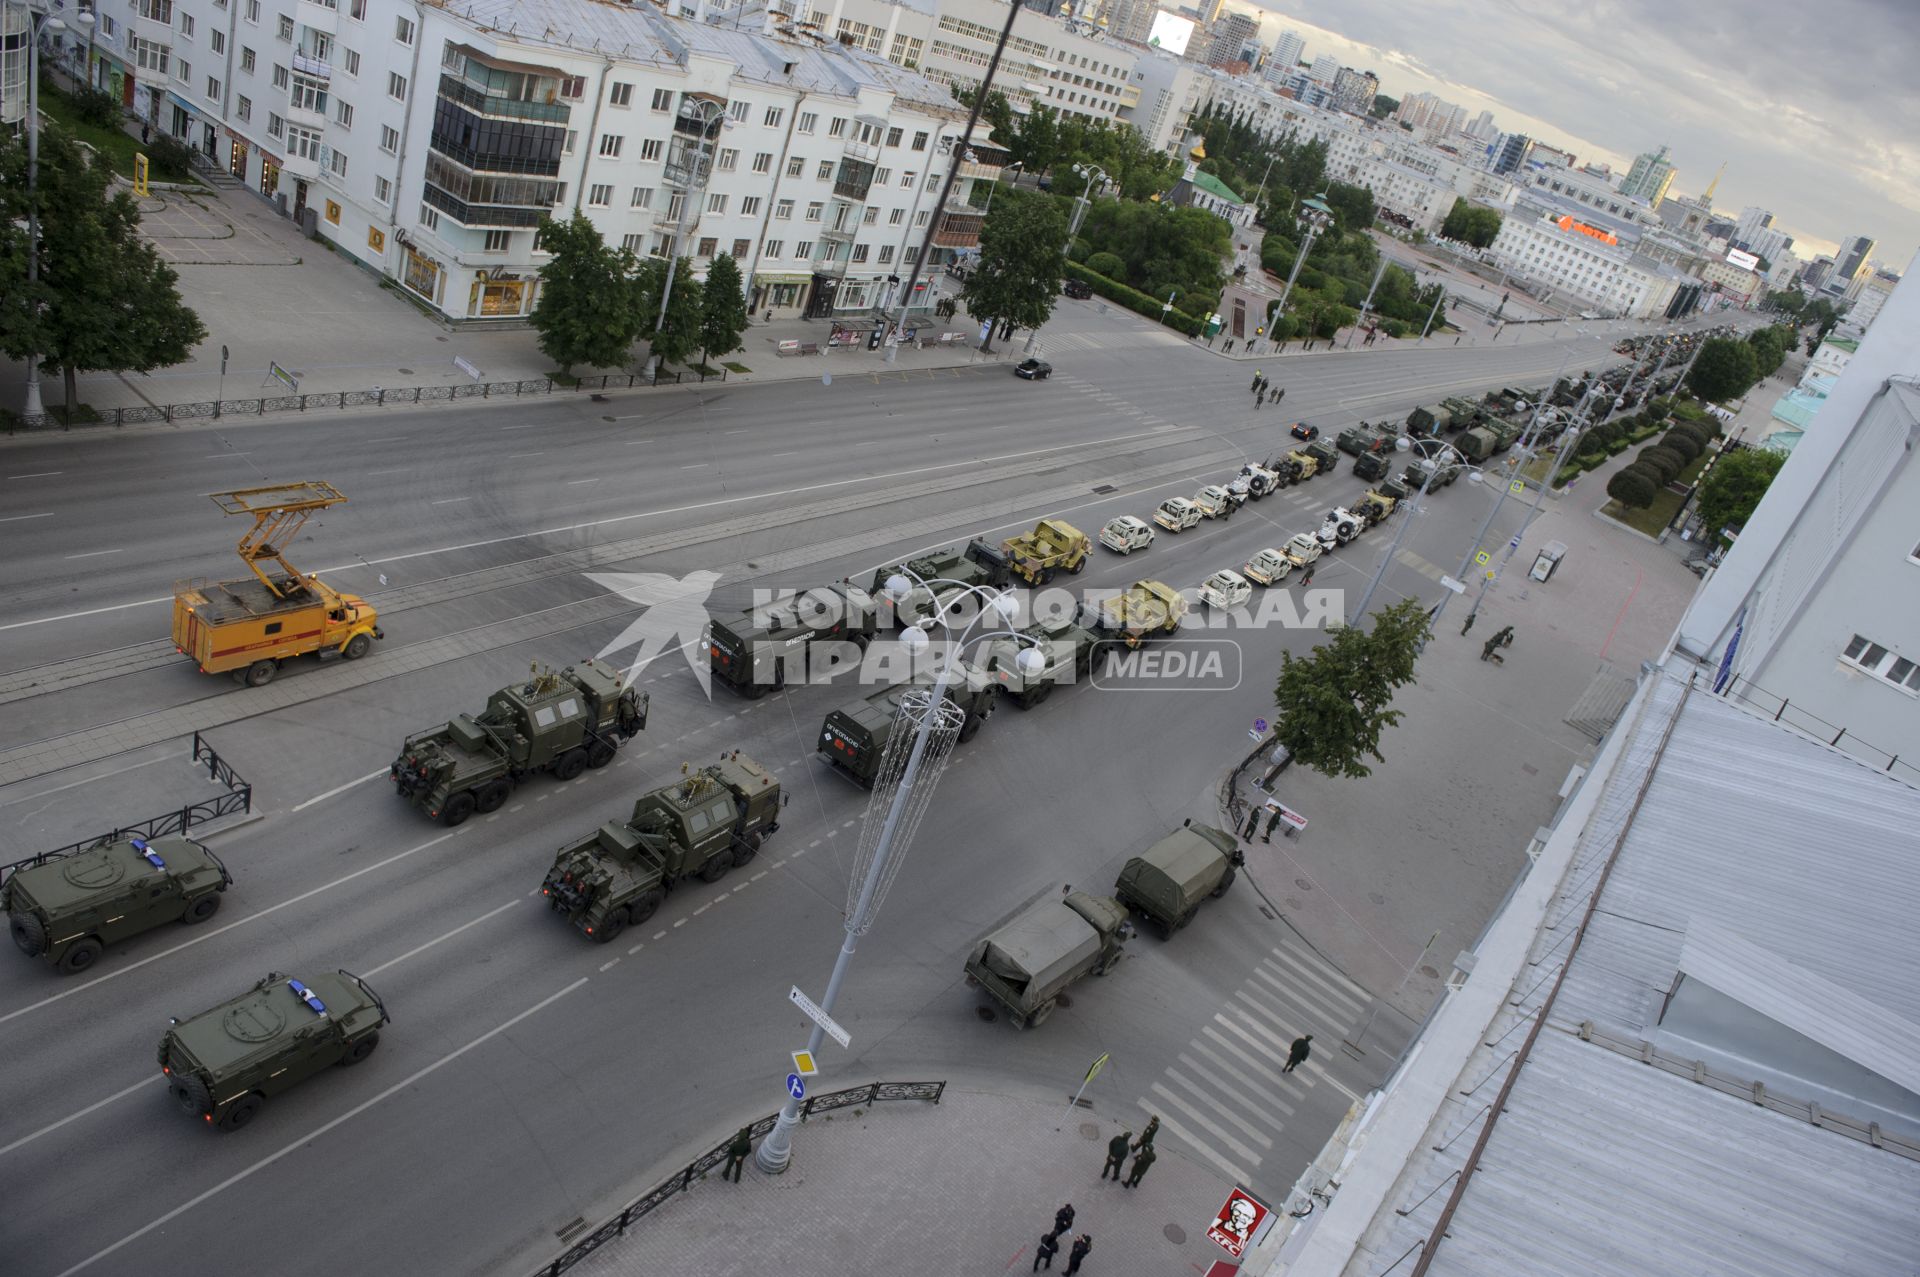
{"points": [[1323, 68], [1817, 606], [1167, 90], [1872, 298], [1853, 254], [1231, 36], [1286, 55], [1577, 251], [1752, 220], [1129, 20], [1509, 154], [1649, 177], [428, 140], [1353, 91], [1739, 285], [1483, 127]]}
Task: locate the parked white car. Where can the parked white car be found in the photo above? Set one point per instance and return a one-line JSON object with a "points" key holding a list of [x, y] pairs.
{"points": [[1126, 534], [1225, 589], [1270, 567], [1303, 548], [1177, 514], [1214, 501]]}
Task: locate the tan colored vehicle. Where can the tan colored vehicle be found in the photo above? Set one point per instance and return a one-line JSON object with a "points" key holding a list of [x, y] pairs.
{"points": [[1144, 609], [1053, 546], [248, 627], [1177, 514]]}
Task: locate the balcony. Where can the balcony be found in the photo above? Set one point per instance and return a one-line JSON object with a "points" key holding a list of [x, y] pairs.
{"points": [[300, 166], [318, 68], [826, 252], [959, 228], [839, 234], [319, 15], [853, 181], [990, 171], [861, 153], [480, 215], [457, 90]]}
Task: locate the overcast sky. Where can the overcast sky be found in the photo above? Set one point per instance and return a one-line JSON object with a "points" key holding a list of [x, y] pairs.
{"points": [[1812, 104]]}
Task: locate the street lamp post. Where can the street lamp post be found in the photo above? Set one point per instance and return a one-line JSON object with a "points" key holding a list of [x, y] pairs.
{"points": [[1318, 216], [1367, 305], [1436, 460], [996, 186], [1439, 295], [1082, 203], [695, 162], [903, 814], [38, 20]]}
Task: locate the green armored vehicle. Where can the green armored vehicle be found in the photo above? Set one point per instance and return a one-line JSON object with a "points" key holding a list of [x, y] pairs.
{"points": [[1324, 454], [1505, 433], [1428, 419], [1031, 959], [1462, 413], [854, 737], [1373, 465], [1067, 646], [1169, 881], [563, 723], [1361, 438], [67, 908], [225, 1063], [748, 649], [978, 564], [1414, 477], [698, 827]]}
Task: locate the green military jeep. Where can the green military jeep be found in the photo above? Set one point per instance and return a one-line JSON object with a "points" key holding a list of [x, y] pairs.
{"points": [[69, 908]]}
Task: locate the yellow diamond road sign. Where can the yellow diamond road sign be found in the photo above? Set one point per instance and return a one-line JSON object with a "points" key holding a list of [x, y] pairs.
{"points": [[803, 1064], [1517, 487], [1482, 558]]}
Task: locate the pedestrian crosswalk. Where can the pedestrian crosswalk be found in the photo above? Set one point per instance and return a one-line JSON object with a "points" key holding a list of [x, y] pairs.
{"points": [[1225, 1097]]}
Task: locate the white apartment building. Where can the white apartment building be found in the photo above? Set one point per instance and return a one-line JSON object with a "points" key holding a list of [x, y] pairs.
{"points": [[1564, 247], [1166, 92], [1818, 602], [1738, 285], [428, 140], [1874, 292]]}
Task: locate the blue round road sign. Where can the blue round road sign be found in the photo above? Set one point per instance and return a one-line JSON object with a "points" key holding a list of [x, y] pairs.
{"points": [[1259, 724], [795, 1087]]}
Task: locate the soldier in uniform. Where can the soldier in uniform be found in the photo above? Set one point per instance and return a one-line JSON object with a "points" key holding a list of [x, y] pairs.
{"points": [[1062, 1219], [737, 1154], [1140, 1165], [1272, 819], [1081, 1245], [1146, 1136], [1043, 1253], [1116, 1154]]}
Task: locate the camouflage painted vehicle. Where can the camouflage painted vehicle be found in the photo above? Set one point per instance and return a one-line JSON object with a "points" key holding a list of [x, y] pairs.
{"points": [[1463, 413], [1324, 454], [854, 737], [1027, 962], [700, 826], [1378, 504], [1361, 438], [1053, 546], [1429, 419], [1476, 444], [68, 909], [957, 569], [1169, 881], [561, 722], [1414, 477], [747, 650], [224, 1064], [1068, 648], [1139, 612]]}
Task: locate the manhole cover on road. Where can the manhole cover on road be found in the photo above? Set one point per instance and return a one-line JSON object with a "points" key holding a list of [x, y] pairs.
{"points": [[408, 372], [1303, 884], [1430, 972], [1376, 897], [1175, 1234], [1089, 1131]]}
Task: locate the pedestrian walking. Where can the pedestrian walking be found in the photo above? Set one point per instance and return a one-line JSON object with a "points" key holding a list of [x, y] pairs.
{"points": [[1259, 396], [1253, 824], [146, 133], [1272, 820], [1141, 1162], [1146, 1136], [737, 1154], [1468, 625], [1307, 580], [1258, 377], [1043, 1253], [1490, 650], [1062, 1219], [1116, 1154], [1081, 1246], [1297, 1053]]}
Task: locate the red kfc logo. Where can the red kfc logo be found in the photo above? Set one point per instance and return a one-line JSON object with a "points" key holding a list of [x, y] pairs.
{"points": [[1239, 1219]]}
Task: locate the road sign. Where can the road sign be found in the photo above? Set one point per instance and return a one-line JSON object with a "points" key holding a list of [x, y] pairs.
{"points": [[1239, 1219], [986, 329], [1093, 1070], [1448, 583], [1514, 544], [1260, 726], [795, 1087], [1517, 487], [819, 1017], [803, 1064], [1482, 557]]}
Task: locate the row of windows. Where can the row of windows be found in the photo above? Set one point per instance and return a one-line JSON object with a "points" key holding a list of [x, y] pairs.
{"points": [[1873, 658]]}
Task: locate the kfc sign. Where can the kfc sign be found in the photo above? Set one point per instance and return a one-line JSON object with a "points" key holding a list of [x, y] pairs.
{"points": [[1239, 1219]]}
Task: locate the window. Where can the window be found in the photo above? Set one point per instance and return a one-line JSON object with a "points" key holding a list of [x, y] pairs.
{"points": [[774, 116], [826, 171], [803, 249], [217, 40], [389, 139], [920, 218], [357, 10], [286, 28], [350, 61], [1871, 657], [573, 137], [601, 195], [396, 86], [573, 87], [213, 89], [871, 216], [376, 239], [634, 243], [383, 190], [750, 206], [782, 210], [610, 144], [741, 247], [663, 99], [807, 122], [333, 212], [763, 162], [275, 125], [642, 197], [716, 203], [906, 181], [796, 166], [253, 11], [279, 77], [621, 95], [674, 200], [813, 211], [838, 128], [775, 247], [859, 252], [403, 30], [893, 137], [309, 95], [897, 216], [728, 160], [650, 148], [304, 143], [920, 141], [429, 218], [737, 111], [886, 254], [339, 164], [183, 69], [498, 241], [881, 176], [244, 108], [246, 60], [708, 246], [343, 114], [186, 26]]}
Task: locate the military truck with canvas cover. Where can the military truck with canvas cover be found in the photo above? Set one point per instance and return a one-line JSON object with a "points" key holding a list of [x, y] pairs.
{"points": [[1429, 419], [1065, 645], [1029, 961], [1361, 438], [955, 569], [854, 737], [1170, 880], [1139, 612], [1373, 465], [225, 1063], [1476, 444], [67, 909], [700, 826], [1414, 477], [1053, 546], [749, 650], [561, 722]]}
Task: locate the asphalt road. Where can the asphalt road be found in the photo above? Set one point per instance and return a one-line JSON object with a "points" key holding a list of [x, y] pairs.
{"points": [[530, 1076]]}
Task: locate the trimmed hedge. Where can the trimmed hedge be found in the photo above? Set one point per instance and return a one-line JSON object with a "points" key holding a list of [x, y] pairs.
{"points": [[1664, 460], [1684, 444], [1633, 489], [1135, 300], [1107, 264]]}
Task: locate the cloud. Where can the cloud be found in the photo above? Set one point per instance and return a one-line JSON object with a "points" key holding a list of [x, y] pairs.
{"points": [[1808, 105]]}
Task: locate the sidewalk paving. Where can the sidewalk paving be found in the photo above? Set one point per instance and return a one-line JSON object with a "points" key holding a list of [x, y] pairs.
{"points": [[964, 1186]]}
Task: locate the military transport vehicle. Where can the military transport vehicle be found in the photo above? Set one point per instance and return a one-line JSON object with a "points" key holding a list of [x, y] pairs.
{"points": [[700, 826], [1124, 534], [1168, 881], [1177, 514], [749, 650], [1067, 647], [1378, 504], [1414, 477], [1373, 465], [1053, 546], [1361, 438], [1026, 963], [1139, 612], [854, 737], [955, 569], [67, 909], [225, 1063], [561, 722]]}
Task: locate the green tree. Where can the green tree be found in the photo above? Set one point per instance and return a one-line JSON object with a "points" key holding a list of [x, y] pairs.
{"points": [[1334, 704], [675, 340], [1735, 485], [1633, 488], [1788, 301], [1353, 206], [1723, 369], [589, 311], [1770, 347], [105, 302], [1018, 276], [723, 309], [1037, 143], [1471, 224], [1383, 106]]}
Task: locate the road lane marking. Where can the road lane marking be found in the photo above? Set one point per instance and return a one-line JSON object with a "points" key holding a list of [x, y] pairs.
{"points": [[401, 470], [340, 789], [75, 784], [219, 931], [38, 474], [93, 554], [304, 1140], [15, 518], [516, 456], [74, 1117], [449, 500], [609, 964], [394, 962], [574, 483]]}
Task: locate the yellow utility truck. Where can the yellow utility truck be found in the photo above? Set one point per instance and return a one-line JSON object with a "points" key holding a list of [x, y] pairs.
{"points": [[247, 627]]}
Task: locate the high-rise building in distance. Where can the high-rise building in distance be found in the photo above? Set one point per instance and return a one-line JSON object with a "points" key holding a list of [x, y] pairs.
{"points": [[1649, 178]]}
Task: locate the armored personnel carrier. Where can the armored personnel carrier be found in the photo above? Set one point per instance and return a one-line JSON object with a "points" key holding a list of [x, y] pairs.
{"points": [[956, 570], [561, 722], [1170, 880], [67, 909], [1378, 504], [747, 649], [854, 737], [700, 826], [1029, 961], [224, 1064], [1067, 647]]}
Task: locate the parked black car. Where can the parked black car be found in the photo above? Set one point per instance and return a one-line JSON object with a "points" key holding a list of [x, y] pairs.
{"points": [[1033, 369]]}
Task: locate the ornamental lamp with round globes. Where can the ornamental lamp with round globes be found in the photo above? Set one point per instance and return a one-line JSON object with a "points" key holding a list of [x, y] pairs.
{"points": [[1029, 662]]}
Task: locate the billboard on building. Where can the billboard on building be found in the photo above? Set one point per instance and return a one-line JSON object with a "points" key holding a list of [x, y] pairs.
{"points": [[1171, 32], [1744, 261]]}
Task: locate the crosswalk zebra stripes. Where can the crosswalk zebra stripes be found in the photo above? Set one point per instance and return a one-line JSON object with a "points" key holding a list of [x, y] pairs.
{"points": [[1224, 1097]]}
